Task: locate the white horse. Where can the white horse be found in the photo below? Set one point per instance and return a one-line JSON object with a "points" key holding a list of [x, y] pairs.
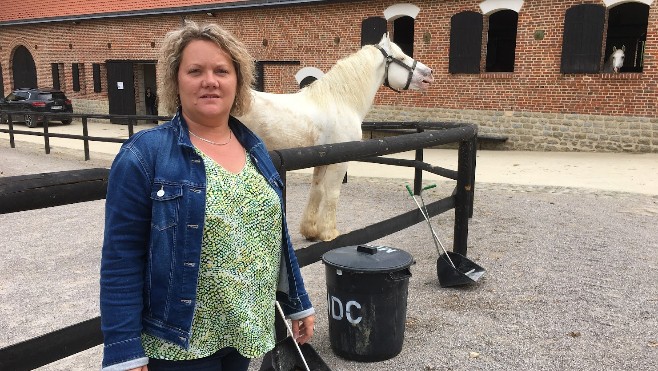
{"points": [[616, 60], [331, 110]]}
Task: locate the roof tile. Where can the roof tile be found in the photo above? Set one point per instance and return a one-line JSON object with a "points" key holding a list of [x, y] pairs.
{"points": [[18, 10]]}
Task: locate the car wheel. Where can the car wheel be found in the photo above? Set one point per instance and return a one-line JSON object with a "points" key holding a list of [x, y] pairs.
{"points": [[66, 122], [30, 122]]}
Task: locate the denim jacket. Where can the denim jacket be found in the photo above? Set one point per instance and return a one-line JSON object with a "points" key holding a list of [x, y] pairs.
{"points": [[154, 217]]}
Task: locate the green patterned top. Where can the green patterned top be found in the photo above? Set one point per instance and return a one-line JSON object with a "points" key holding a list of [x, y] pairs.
{"points": [[240, 260]]}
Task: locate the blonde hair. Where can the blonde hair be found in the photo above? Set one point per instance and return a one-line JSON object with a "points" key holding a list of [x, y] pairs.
{"points": [[171, 53]]}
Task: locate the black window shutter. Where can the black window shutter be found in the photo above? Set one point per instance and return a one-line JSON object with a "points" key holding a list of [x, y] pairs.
{"points": [[465, 42], [96, 68], [582, 39], [372, 30], [75, 71], [2, 84], [55, 69], [259, 84]]}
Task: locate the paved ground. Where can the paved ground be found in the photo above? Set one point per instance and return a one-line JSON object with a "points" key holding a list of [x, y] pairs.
{"points": [[570, 277]]}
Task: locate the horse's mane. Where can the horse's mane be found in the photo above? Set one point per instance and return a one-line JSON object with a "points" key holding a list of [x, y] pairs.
{"points": [[348, 81]]}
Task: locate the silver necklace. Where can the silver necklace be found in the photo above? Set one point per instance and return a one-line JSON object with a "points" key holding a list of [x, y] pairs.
{"points": [[211, 142]]}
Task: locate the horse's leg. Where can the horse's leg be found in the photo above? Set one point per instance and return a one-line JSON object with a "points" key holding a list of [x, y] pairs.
{"points": [[326, 218], [309, 226]]}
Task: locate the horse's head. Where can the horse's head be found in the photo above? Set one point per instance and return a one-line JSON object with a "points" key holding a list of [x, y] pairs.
{"points": [[617, 57], [403, 72]]}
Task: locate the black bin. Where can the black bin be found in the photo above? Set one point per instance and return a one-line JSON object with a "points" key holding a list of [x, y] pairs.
{"points": [[367, 301]]}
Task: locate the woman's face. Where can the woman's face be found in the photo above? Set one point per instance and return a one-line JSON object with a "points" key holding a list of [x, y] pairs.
{"points": [[207, 82]]}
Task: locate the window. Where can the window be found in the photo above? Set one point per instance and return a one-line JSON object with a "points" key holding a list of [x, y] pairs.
{"points": [[19, 95], [44, 96], [306, 81], [75, 74], [96, 67], [582, 39], [372, 30], [2, 83], [627, 30], [501, 41], [55, 75], [403, 34], [465, 42]]}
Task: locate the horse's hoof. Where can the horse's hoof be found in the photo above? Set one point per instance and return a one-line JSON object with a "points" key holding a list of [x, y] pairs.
{"points": [[310, 233], [329, 235], [324, 236]]}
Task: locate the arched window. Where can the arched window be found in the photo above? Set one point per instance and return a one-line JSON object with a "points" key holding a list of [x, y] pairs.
{"points": [[307, 75], [501, 41], [306, 81], [627, 29], [403, 16], [403, 34], [24, 69]]}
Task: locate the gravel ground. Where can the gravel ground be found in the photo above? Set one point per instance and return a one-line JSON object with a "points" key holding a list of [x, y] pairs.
{"points": [[570, 282]]}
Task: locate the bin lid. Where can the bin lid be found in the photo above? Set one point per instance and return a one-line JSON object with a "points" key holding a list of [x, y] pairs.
{"points": [[367, 258]]}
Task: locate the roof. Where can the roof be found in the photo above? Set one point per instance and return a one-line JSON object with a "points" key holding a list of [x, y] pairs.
{"points": [[16, 12]]}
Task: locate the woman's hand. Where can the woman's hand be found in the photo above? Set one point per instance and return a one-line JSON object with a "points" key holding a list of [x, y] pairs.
{"points": [[302, 329]]}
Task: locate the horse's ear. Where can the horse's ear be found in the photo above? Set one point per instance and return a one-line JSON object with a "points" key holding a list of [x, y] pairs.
{"points": [[385, 42], [614, 48], [623, 48]]}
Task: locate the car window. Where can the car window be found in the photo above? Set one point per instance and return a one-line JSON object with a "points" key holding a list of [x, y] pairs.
{"points": [[15, 96], [58, 95], [45, 96]]}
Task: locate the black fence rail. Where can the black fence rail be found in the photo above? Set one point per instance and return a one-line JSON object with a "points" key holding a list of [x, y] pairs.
{"points": [[400, 128], [130, 120], [51, 189]]}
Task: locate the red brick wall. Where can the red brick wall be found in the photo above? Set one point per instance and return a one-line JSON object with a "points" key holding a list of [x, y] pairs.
{"points": [[308, 33]]}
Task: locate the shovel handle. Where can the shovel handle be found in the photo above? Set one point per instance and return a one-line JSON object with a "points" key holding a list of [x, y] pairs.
{"points": [[292, 335]]}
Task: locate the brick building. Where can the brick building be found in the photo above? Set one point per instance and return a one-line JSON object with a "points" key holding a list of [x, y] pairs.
{"points": [[530, 70]]}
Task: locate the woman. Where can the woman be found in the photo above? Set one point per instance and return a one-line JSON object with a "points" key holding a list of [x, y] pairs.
{"points": [[196, 245]]}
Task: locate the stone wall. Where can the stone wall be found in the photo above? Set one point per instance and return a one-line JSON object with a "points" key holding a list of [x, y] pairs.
{"points": [[99, 107], [535, 131]]}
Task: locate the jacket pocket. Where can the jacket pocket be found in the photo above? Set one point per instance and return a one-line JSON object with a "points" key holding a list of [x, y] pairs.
{"points": [[166, 203]]}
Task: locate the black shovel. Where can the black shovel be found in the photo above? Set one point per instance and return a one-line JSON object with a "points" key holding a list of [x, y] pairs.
{"points": [[452, 269]]}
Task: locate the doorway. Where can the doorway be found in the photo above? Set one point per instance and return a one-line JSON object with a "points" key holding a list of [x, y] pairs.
{"points": [[24, 69]]}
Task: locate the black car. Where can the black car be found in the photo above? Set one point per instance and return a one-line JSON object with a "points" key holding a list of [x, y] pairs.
{"points": [[35, 100]]}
